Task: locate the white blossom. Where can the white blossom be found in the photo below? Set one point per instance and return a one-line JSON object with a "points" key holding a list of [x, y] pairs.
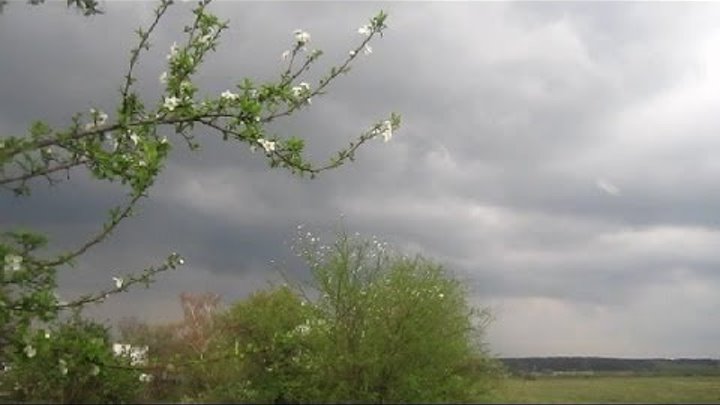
{"points": [[134, 138], [367, 50], [95, 370], [173, 50], [285, 55], [99, 118], [229, 96], [171, 102], [352, 53], [205, 39], [441, 295], [300, 89], [47, 335], [269, 146], [145, 377], [118, 282], [303, 329], [181, 261], [63, 367], [365, 30], [301, 36], [386, 130], [30, 351], [163, 77], [13, 262]]}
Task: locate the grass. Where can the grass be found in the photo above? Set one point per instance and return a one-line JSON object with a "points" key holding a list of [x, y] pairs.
{"points": [[610, 389]]}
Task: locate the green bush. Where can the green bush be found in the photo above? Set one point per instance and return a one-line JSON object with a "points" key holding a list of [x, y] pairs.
{"points": [[271, 351], [402, 330], [70, 362], [382, 328]]}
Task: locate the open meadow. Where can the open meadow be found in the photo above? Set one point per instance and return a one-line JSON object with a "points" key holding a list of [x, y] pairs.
{"points": [[610, 389]]}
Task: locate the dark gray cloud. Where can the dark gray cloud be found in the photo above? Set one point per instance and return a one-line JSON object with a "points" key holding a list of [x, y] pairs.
{"points": [[558, 157]]}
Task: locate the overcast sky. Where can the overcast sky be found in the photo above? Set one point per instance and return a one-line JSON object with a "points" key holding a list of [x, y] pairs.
{"points": [[560, 158]]}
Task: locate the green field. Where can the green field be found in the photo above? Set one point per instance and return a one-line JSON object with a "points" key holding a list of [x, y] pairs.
{"points": [[613, 389]]}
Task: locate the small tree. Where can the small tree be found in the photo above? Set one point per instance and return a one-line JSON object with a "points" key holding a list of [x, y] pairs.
{"points": [[375, 326], [198, 317], [401, 329], [272, 352], [177, 350]]}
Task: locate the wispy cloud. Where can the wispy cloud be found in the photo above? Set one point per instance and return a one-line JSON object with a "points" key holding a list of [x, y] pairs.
{"points": [[607, 187]]}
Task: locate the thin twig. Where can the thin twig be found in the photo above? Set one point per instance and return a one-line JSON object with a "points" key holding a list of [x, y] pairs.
{"points": [[42, 172], [135, 53]]}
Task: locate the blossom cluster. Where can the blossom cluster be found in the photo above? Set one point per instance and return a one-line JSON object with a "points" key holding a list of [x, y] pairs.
{"points": [[12, 263]]}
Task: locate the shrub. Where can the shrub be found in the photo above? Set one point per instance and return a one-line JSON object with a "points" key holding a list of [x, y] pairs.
{"points": [[382, 328], [70, 362], [401, 328], [272, 349]]}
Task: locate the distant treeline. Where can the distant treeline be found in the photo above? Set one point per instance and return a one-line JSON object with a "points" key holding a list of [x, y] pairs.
{"points": [[549, 365]]}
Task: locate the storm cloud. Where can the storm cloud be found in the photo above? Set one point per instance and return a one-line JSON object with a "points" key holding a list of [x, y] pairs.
{"points": [[560, 158]]}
